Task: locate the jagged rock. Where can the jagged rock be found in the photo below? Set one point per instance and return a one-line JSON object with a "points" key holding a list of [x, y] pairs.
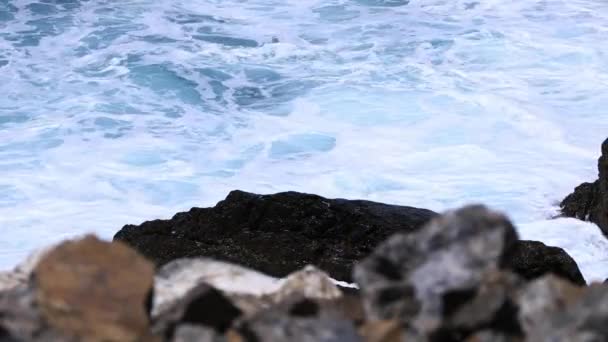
{"points": [[309, 283], [542, 298], [95, 291], [589, 201], [533, 259], [176, 278], [276, 234], [491, 307], [420, 276], [20, 318], [201, 305], [302, 321], [250, 290], [554, 310]]}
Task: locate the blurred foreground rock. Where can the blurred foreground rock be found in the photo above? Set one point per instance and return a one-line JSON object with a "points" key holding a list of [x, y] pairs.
{"points": [[463, 276], [533, 259], [87, 290]]}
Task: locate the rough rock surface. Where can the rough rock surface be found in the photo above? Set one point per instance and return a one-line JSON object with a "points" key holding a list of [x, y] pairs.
{"points": [[176, 278], [589, 201], [299, 321], [195, 333], [202, 305], [382, 331], [448, 281], [490, 307], [417, 277], [309, 282], [20, 318], [21, 273], [533, 259], [553, 310], [276, 234], [250, 290], [543, 297], [91, 288], [77, 293]]}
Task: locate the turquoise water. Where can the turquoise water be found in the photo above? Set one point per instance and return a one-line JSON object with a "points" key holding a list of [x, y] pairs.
{"points": [[116, 112]]}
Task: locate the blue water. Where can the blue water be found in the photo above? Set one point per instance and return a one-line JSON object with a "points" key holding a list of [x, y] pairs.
{"points": [[115, 112]]}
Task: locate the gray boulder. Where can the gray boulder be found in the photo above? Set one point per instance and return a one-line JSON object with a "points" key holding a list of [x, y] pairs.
{"points": [[554, 310], [302, 320], [418, 277]]}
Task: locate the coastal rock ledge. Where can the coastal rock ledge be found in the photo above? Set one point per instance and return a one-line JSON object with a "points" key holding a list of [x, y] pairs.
{"points": [[589, 201], [462, 276], [282, 233], [276, 234]]}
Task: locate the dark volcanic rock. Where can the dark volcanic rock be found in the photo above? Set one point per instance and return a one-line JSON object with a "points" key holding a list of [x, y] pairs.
{"points": [[533, 259], [589, 201], [276, 234], [421, 277]]}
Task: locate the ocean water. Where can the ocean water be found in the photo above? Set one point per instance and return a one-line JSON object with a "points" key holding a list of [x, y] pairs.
{"points": [[116, 112]]}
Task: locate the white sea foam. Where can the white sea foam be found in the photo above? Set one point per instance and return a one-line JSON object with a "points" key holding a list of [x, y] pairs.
{"points": [[116, 113]]}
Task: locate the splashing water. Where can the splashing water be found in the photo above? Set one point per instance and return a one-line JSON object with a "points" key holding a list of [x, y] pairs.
{"points": [[119, 112]]}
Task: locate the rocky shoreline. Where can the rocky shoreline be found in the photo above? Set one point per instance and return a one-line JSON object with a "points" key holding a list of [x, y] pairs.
{"points": [[281, 233], [589, 201], [280, 267]]}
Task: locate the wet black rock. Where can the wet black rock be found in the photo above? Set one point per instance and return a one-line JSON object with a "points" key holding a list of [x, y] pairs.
{"points": [[589, 201], [533, 259], [276, 234]]}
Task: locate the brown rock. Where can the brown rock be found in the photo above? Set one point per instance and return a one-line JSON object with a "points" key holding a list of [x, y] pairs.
{"points": [[492, 336], [233, 336], [382, 331], [95, 290]]}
